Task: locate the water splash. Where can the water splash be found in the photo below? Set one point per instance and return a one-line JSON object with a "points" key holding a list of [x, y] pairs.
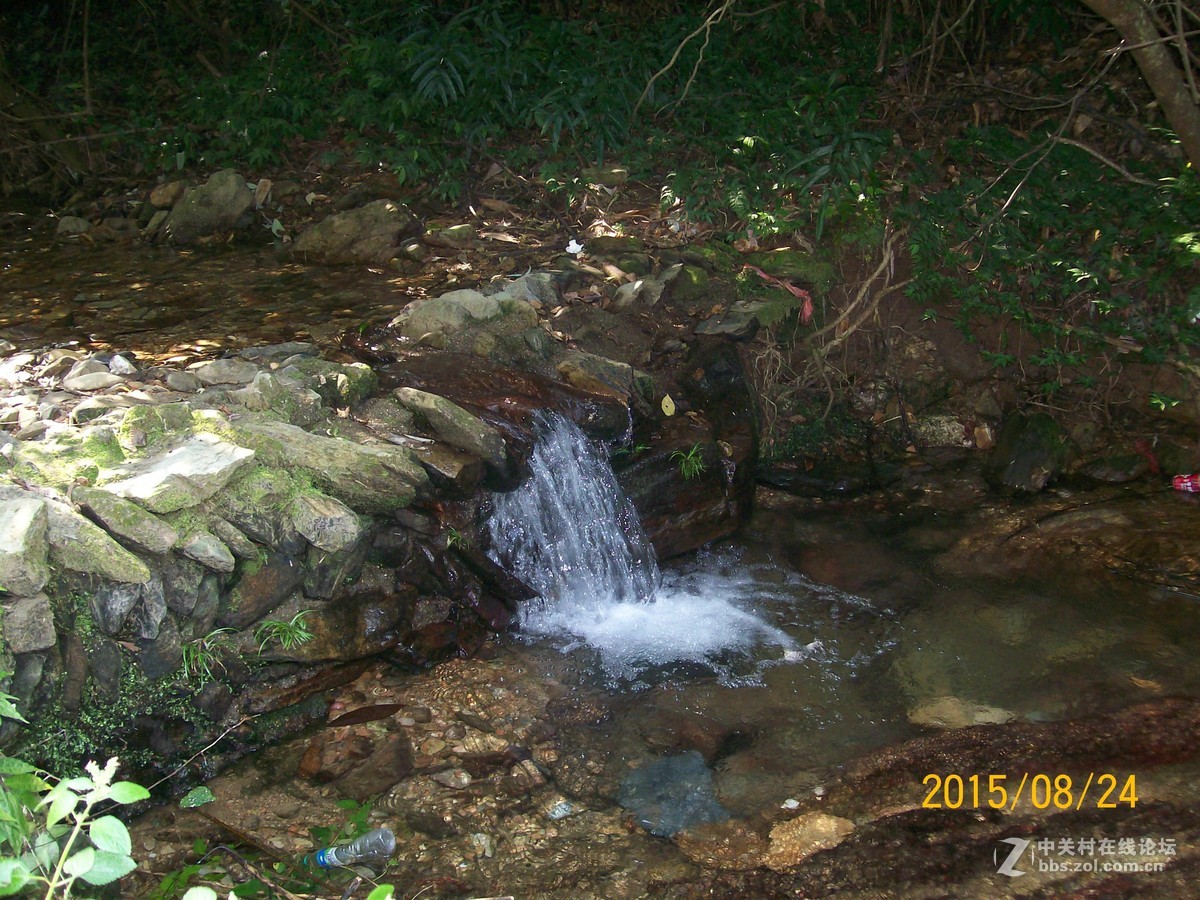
{"points": [[571, 535]]}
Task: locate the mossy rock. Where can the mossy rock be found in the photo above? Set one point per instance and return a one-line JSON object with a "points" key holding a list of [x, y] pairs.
{"points": [[690, 284], [795, 265]]}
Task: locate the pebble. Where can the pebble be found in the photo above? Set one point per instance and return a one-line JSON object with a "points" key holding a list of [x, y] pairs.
{"points": [[452, 778]]}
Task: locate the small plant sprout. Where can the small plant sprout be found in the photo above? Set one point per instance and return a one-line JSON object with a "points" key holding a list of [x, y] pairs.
{"points": [[203, 656], [455, 538], [691, 462], [288, 635], [1163, 402]]}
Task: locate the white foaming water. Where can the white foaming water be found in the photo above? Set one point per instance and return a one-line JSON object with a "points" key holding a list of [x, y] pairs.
{"points": [[574, 538]]}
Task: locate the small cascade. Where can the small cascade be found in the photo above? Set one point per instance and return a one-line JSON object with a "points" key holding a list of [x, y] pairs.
{"points": [[573, 537]]}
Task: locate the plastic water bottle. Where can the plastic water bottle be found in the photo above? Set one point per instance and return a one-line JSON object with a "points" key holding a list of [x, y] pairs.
{"points": [[373, 847], [1189, 483]]}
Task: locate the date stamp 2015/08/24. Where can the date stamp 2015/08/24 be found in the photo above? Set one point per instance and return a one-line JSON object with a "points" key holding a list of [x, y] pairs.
{"points": [[1101, 790]]}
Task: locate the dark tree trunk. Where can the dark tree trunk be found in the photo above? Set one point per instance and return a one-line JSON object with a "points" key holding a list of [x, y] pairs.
{"points": [[1134, 24]]}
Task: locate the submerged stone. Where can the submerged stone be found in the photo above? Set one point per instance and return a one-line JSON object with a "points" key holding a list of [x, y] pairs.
{"points": [[672, 794]]}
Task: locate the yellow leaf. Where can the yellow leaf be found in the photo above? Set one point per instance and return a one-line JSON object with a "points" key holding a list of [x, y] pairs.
{"points": [[668, 405]]}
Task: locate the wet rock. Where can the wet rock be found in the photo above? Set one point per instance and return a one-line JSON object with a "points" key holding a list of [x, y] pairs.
{"points": [[127, 520], [795, 841], [106, 664], [152, 612], [1030, 452], [1117, 469], [182, 477], [24, 524], [328, 571], [457, 427], [738, 323], [260, 589], [598, 375], [672, 794], [452, 778], [955, 712], [374, 233], [673, 731], [455, 472], [181, 580], [68, 226], [722, 845], [28, 624], [370, 479], [211, 209], [286, 398], [386, 417], [164, 196], [325, 522], [208, 550], [255, 507], [390, 762]]}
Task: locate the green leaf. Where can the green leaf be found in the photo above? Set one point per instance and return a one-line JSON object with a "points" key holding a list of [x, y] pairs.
{"points": [[108, 867], [197, 796], [10, 765], [383, 892], [128, 792], [109, 833], [13, 876], [62, 802], [81, 863]]}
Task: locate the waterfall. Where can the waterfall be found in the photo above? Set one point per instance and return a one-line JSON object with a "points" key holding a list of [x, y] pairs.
{"points": [[575, 539]]}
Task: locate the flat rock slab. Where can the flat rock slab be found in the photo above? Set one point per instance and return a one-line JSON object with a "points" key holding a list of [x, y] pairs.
{"points": [[78, 545], [455, 426], [325, 522], [370, 479], [183, 477], [127, 520]]}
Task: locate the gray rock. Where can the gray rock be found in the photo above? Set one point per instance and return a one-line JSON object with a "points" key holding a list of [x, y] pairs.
{"points": [[96, 381], [211, 208], [370, 479], [111, 605], [337, 384], [120, 365], [260, 590], [455, 426], [273, 352], [373, 233], [127, 520], [325, 522], [536, 286], [184, 382], [183, 477], [256, 506], [24, 522], [208, 550], [94, 408], [72, 225], [672, 794], [326, 572], [29, 624], [153, 611], [80, 367], [648, 290], [1029, 453], [385, 416], [240, 545], [226, 371], [283, 396], [455, 311], [738, 323], [600, 375], [78, 545], [181, 583], [7, 348]]}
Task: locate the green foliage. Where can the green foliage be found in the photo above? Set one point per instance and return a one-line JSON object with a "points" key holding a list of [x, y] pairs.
{"points": [[204, 656], [456, 539], [288, 635], [691, 462], [50, 833]]}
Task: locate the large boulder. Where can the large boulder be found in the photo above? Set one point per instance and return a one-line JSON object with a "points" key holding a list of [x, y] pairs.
{"points": [[373, 233], [213, 208], [23, 546]]}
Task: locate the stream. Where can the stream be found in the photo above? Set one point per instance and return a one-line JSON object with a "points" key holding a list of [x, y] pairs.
{"points": [[826, 662]]}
